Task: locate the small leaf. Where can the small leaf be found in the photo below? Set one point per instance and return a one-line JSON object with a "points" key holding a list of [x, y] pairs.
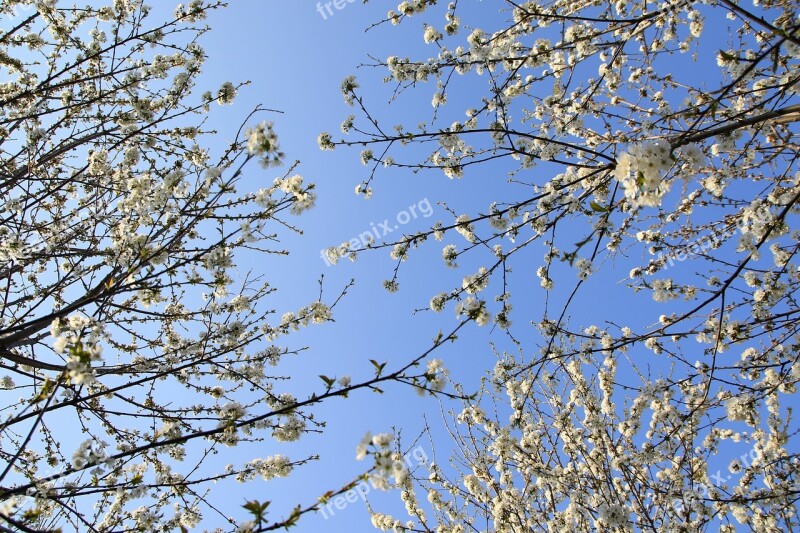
{"points": [[256, 508], [597, 207], [378, 366], [293, 518], [47, 389], [31, 514]]}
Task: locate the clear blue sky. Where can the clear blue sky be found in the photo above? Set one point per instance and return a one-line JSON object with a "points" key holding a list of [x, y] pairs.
{"points": [[296, 60], [296, 56]]}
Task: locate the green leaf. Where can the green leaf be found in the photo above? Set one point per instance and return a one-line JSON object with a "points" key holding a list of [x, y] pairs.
{"points": [[640, 179], [378, 367], [293, 518], [256, 508], [328, 381], [47, 389], [31, 514], [597, 207]]}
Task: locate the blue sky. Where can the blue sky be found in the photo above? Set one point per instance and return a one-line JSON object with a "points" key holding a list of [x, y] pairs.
{"points": [[295, 54], [296, 60]]}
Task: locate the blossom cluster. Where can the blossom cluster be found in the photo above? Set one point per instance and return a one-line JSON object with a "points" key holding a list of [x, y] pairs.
{"points": [[262, 142], [386, 464], [641, 171], [79, 337], [615, 160]]}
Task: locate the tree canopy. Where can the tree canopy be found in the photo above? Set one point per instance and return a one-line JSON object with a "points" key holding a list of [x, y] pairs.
{"points": [[628, 236], [650, 142], [137, 339]]}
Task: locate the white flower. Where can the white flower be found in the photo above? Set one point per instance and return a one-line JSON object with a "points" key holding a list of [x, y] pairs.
{"points": [[474, 309], [231, 411], [612, 516], [584, 267], [449, 254], [290, 430], [663, 290], [693, 156], [347, 125], [263, 143], [226, 93], [271, 467], [431, 34], [465, 228], [319, 313], [438, 302], [60, 344], [98, 162], [476, 282], [79, 370], [436, 375], [304, 198], [324, 141], [382, 440], [239, 303], [361, 449], [406, 8], [641, 172], [740, 407], [349, 85]]}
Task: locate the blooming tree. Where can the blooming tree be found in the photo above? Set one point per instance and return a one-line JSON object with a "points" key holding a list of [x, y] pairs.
{"points": [[135, 347], [654, 142]]}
